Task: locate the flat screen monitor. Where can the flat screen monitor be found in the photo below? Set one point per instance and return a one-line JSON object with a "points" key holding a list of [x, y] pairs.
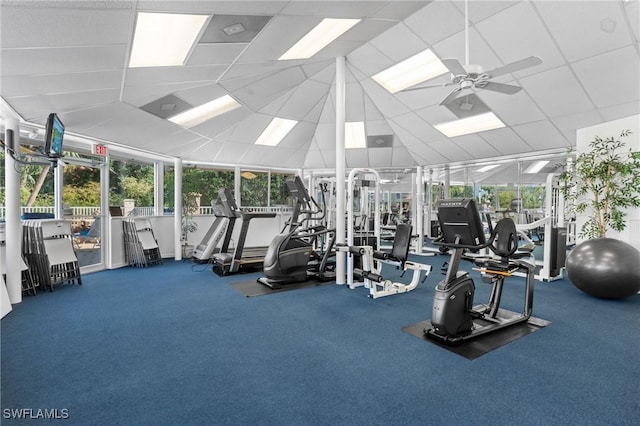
{"points": [[54, 133], [460, 222], [297, 189]]}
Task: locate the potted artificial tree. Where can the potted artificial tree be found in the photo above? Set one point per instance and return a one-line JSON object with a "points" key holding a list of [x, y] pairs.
{"points": [[190, 206], [602, 182]]}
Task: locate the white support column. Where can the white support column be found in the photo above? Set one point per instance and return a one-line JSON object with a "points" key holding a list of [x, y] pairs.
{"points": [[447, 181], [340, 166], [430, 203], [13, 228], [419, 208], [105, 216], [158, 188], [237, 190], [58, 183], [177, 218]]}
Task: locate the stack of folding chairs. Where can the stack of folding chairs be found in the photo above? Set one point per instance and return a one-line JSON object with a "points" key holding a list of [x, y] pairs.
{"points": [[28, 286], [140, 245], [48, 248]]}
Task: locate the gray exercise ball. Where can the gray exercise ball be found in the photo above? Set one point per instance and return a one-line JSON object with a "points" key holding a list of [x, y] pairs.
{"points": [[605, 267]]}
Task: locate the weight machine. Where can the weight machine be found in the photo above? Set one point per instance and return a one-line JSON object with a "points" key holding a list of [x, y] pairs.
{"points": [[371, 259]]}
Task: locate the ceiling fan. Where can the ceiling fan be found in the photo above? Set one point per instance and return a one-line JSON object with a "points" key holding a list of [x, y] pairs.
{"points": [[471, 76]]}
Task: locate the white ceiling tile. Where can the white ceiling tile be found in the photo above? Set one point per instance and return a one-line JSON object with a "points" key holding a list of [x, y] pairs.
{"points": [[357, 158], [70, 60], [436, 21], [163, 75], [476, 146], [354, 103], [415, 125], [611, 78], [371, 112], [379, 157], [387, 104], [51, 26], [541, 135], [369, 60], [30, 85], [401, 157], [449, 149], [557, 92], [512, 109], [527, 36], [505, 141], [326, 136], [377, 127], [620, 111], [388, 44], [569, 123], [215, 53], [427, 155], [230, 152], [343, 9], [479, 52], [577, 31], [303, 99], [248, 130]]}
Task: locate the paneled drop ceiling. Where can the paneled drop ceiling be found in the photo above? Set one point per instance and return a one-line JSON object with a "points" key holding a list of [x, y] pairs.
{"points": [[71, 57]]}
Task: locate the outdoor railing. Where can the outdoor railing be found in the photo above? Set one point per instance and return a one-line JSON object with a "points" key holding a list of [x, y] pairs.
{"points": [[90, 212]]}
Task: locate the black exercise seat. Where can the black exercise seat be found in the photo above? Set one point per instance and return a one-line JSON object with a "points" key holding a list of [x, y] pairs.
{"points": [[400, 248]]}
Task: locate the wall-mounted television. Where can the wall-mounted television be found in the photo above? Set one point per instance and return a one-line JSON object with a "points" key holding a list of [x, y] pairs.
{"points": [[54, 133]]}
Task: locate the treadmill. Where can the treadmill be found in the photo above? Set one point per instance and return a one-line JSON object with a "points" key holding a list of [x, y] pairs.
{"points": [[230, 262], [203, 252]]}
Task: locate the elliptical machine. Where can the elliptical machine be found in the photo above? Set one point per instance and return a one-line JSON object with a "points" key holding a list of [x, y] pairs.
{"points": [[454, 317], [291, 257]]}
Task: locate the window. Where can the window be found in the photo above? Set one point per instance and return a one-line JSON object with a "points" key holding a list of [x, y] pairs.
{"points": [[134, 182], [206, 182]]}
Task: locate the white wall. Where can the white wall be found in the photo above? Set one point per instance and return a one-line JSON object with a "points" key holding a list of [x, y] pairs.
{"points": [[631, 234]]}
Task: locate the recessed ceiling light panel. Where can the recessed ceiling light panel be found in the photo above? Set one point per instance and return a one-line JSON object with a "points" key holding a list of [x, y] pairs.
{"points": [[473, 124], [320, 36], [416, 69], [205, 112], [164, 39], [276, 131]]}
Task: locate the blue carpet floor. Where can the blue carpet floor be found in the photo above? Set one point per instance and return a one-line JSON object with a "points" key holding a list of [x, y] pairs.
{"points": [[176, 345]]}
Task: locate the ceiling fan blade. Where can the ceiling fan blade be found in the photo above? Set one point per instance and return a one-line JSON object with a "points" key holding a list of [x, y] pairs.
{"points": [[451, 96], [410, 89], [531, 61], [454, 66], [507, 89]]}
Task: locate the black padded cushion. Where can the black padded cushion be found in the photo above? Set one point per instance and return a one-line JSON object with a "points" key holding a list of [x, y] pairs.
{"points": [[401, 242], [505, 238]]}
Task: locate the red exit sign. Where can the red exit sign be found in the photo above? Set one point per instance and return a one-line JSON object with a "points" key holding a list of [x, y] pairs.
{"points": [[100, 149]]}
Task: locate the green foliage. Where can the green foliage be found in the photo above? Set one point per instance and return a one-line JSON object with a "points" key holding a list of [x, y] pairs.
{"points": [[253, 190], [130, 181], [88, 194], [603, 181], [203, 181]]}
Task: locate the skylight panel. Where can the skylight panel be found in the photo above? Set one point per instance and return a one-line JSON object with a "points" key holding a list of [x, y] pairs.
{"points": [[536, 166], [164, 39], [320, 36], [354, 135], [473, 124], [276, 131], [205, 112], [416, 69]]}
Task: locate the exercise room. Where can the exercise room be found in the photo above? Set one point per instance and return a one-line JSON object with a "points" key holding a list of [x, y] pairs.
{"points": [[320, 212]]}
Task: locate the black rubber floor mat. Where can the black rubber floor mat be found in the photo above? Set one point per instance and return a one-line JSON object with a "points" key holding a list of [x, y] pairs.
{"points": [[480, 345]]}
